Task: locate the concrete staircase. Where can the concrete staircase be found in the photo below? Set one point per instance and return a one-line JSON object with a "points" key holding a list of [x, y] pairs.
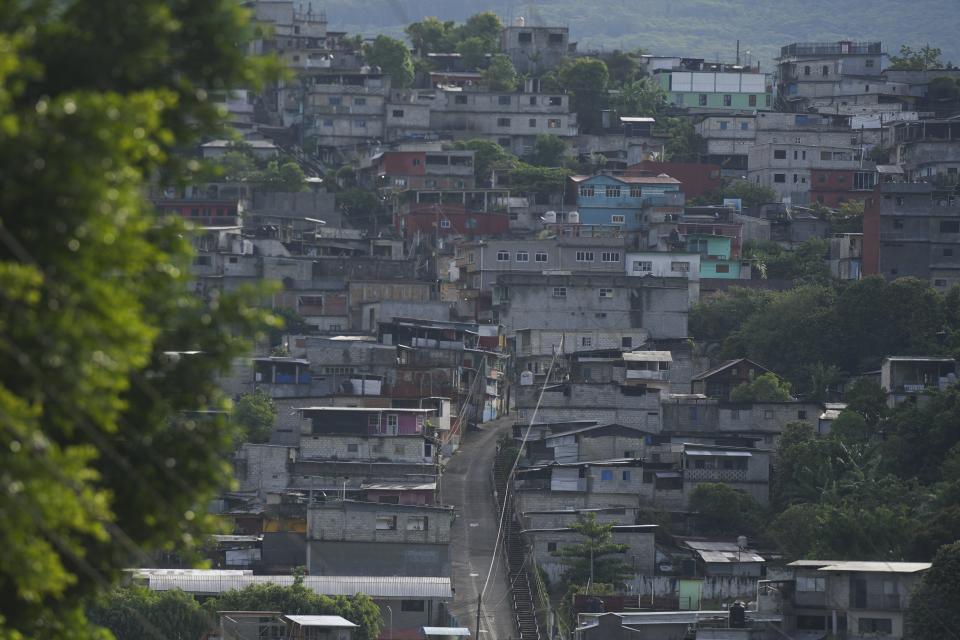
{"points": [[521, 592]]}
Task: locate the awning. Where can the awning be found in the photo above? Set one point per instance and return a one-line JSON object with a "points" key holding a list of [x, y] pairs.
{"points": [[718, 453]]}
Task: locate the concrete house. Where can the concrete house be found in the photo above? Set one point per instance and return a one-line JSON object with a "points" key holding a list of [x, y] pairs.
{"points": [[912, 378], [854, 599], [719, 381], [535, 49], [625, 201], [363, 538], [368, 434], [547, 543], [741, 468]]}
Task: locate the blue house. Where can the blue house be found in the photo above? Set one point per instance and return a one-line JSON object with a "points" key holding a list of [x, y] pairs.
{"points": [[623, 200]]}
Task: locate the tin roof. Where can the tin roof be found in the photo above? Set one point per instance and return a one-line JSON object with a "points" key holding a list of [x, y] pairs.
{"points": [[648, 356], [321, 621], [213, 582]]}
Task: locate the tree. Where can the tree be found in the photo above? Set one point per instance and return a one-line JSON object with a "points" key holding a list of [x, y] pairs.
{"points": [[684, 144], [718, 318], [623, 67], [642, 97], [473, 52], [943, 89], [107, 358], [486, 26], [768, 387], [586, 78], [488, 157], [924, 58], [299, 600], [133, 613], [806, 264], [431, 35], [548, 150], [866, 398], [750, 195], [526, 178], [933, 609], [393, 57], [724, 511], [358, 202], [500, 74], [255, 413], [847, 218], [587, 562]]}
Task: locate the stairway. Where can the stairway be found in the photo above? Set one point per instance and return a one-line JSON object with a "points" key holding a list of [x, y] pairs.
{"points": [[521, 593]]}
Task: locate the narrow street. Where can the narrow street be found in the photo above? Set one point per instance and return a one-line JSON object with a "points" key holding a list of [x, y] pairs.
{"points": [[466, 486]]}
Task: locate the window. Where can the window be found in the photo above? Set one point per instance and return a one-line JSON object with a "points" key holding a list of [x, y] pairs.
{"points": [[606, 293], [584, 256], [801, 415], [612, 191], [779, 177], [723, 125], [460, 99], [504, 100], [617, 219], [553, 123], [202, 261], [727, 100], [373, 420], [796, 178], [702, 99], [360, 124], [643, 265], [610, 256], [398, 113], [353, 448], [551, 546], [416, 523], [625, 476], [523, 256], [680, 267], [586, 341], [540, 256], [949, 226], [938, 282], [744, 126], [680, 99], [606, 475], [386, 523], [328, 123], [533, 122], [734, 414], [556, 101], [768, 414], [389, 499], [333, 100], [779, 154], [897, 223], [626, 342], [586, 191], [947, 253], [411, 605], [694, 414], [400, 450], [825, 70], [559, 292], [879, 626], [503, 122], [752, 101], [722, 268], [503, 256], [533, 100], [392, 420], [360, 102], [806, 71], [868, 62], [444, 223]]}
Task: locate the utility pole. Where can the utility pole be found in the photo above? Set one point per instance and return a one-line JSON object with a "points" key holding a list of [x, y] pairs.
{"points": [[479, 604]]}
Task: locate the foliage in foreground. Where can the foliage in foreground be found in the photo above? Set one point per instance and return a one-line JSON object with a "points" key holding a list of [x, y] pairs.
{"points": [[102, 457]]}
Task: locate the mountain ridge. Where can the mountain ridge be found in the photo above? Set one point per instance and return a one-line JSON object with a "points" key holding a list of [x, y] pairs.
{"points": [[697, 28]]}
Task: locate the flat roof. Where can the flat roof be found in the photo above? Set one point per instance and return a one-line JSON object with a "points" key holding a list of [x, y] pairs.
{"points": [[321, 621], [878, 567], [367, 409], [919, 359], [632, 119], [718, 452], [446, 631]]}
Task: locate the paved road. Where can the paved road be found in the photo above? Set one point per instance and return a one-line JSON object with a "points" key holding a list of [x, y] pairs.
{"points": [[466, 486]]}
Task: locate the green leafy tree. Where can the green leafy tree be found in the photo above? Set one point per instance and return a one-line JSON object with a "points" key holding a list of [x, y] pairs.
{"points": [[926, 57], [486, 26], [255, 413], [500, 74], [473, 52], [847, 218], [866, 398], [718, 318], [393, 57], [944, 89], [623, 67], [357, 202], [299, 600], [768, 387], [751, 195], [548, 151], [133, 613], [526, 178], [586, 79], [642, 97], [598, 556], [431, 35], [488, 157], [683, 144], [102, 457], [933, 611], [807, 264], [724, 511]]}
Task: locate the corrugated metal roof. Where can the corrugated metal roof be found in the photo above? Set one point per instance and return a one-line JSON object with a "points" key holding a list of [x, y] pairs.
{"points": [[321, 621], [373, 586], [718, 453], [878, 567], [446, 631], [648, 356], [399, 486]]}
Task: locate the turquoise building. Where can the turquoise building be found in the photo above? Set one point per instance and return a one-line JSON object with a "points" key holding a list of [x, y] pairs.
{"points": [[622, 200], [716, 256], [717, 90]]}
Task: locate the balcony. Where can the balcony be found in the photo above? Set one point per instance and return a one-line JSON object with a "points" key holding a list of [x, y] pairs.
{"points": [[644, 374]]}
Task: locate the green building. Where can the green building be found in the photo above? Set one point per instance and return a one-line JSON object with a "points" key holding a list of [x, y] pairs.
{"points": [[717, 90]]}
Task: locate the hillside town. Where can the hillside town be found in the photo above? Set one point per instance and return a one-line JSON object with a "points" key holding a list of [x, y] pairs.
{"points": [[577, 345]]}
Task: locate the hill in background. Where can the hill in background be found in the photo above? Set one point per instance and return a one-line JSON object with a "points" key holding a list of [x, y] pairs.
{"points": [[704, 28]]}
